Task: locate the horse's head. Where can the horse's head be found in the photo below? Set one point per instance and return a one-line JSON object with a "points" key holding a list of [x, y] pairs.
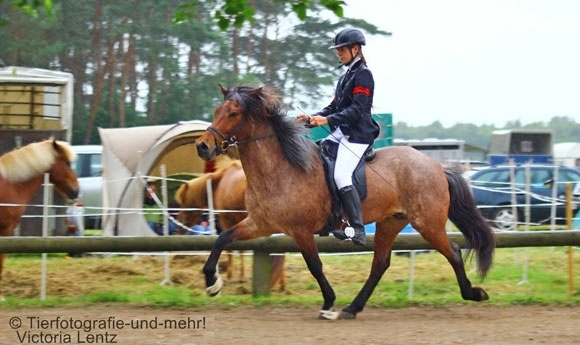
{"points": [[61, 174], [249, 114], [228, 126]]}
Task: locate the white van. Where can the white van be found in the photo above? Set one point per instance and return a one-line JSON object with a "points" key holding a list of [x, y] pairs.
{"points": [[89, 168]]}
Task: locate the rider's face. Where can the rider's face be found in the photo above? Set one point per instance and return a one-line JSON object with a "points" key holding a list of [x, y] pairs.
{"points": [[345, 54]]}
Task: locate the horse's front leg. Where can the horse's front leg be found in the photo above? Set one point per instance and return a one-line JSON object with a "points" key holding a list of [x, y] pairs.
{"points": [[383, 245], [309, 250], [244, 230], [213, 282]]}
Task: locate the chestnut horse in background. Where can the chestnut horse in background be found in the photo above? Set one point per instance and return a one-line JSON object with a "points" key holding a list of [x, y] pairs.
{"points": [[228, 183], [21, 176], [287, 193]]}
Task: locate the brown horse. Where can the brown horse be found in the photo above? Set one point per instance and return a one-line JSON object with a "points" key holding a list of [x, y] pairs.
{"points": [[287, 193], [229, 190], [22, 174]]}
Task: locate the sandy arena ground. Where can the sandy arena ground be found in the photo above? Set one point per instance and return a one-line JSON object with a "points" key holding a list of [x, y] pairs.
{"points": [[269, 325]]}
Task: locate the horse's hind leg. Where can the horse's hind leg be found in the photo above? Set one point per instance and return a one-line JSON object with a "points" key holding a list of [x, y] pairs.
{"points": [[230, 265], [452, 252], [242, 266], [383, 245], [277, 276]]}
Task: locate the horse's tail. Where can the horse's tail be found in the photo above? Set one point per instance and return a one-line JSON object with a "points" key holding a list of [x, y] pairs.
{"points": [[463, 212]]}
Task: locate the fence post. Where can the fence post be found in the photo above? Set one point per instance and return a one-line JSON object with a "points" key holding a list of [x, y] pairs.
{"points": [[262, 268], [570, 248]]}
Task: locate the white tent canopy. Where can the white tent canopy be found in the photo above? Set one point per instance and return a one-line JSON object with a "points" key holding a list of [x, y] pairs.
{"points": [[131, 155]]}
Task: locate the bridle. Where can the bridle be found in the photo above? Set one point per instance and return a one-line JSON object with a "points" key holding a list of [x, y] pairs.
{"points": [[232, 140]]}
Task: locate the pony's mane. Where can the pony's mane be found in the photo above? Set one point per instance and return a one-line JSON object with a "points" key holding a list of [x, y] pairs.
{"points": [[193, 193], [297, 147], [33, 159]]}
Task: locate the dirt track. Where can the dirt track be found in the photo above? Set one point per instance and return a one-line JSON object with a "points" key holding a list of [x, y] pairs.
{"points": [[268, 325]]}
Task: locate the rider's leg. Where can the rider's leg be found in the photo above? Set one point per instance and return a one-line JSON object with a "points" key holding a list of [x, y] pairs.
{"points": [[348, 157]]}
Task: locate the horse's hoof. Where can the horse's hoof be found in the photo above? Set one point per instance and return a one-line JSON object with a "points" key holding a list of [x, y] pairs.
{"points": [[480, 294], [328, 315], [215, 289], [345, 315]]}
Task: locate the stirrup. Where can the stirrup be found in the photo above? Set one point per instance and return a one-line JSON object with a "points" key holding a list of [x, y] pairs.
{"points": [[340, 235]]}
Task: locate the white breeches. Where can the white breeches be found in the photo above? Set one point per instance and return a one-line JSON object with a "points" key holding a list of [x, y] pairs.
{"points": [[347, 158]]}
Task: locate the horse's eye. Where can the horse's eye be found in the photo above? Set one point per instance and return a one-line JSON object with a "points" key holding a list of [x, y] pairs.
{"points": [[232, 115]]}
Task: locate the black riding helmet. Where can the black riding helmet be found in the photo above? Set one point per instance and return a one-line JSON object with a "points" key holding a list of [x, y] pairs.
{"points": [[348, 37]]}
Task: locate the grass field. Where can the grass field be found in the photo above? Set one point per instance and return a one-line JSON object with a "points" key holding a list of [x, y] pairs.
{"points": [[136, 280]]}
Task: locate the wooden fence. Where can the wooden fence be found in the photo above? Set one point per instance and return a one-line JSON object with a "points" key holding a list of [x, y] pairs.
{"points": [[263, 247]]}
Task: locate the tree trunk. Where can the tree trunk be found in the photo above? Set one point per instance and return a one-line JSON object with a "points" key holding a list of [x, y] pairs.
{"points": [[151, 95], [128, 66], [112, 72], [99, 76], [235, 51]]}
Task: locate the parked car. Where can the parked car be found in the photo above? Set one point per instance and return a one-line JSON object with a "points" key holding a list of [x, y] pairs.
{"points": [[88, 168], [492, 190], [468, 173]]}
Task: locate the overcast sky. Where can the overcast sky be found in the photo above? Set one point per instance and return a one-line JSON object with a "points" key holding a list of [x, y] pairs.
{"points": [[467, 61]]}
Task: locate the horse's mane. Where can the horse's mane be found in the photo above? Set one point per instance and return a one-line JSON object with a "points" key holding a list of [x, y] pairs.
{"points": [[33, 159], [297, 147]]}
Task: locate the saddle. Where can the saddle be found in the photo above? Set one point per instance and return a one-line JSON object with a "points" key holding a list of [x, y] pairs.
{"points": [[328, 153]]}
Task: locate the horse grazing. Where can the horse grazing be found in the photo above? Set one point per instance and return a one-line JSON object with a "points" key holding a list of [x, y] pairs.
{"points": [[228, 191], [287, 193], [22, 174]]}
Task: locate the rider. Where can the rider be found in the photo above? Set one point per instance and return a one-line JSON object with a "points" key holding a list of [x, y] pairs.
{"points": [[351, 123]]}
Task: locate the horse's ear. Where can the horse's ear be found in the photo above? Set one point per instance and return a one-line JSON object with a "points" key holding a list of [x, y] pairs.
{"points": [[55, 145], [225, 90], [257, 91]]}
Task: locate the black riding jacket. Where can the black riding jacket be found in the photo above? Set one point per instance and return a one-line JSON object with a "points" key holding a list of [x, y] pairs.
{"points": [[351, 107]]}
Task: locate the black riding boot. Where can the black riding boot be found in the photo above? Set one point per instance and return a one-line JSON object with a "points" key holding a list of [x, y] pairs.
{"points": [[351, 205]]}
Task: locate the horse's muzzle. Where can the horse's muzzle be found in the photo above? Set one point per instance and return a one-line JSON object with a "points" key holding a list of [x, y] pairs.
{"points": [[204, 151], [73, 193]]}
